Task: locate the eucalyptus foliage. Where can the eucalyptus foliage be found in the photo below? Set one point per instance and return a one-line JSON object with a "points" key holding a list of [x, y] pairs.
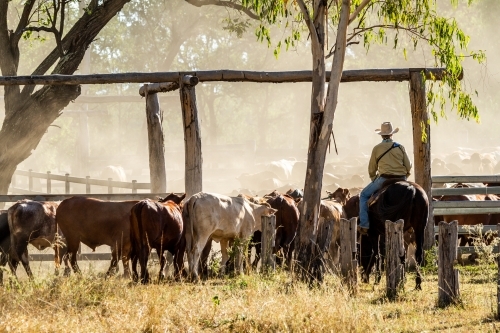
{"points": [[401, 24]]}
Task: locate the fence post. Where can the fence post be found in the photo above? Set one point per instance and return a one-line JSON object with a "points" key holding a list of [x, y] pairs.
{"points": [[268, 258], [87, 185], [395, 250], [66, 184], [110, 187], [49, 184], [348, 262], [134, 184], [30, 181], [448, 284]]}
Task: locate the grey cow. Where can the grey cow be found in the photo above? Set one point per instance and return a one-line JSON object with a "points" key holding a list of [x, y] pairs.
{"points": [[31, 222]]}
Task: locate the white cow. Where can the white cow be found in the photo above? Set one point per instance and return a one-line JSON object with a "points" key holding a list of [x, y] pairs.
{"points": [[222, 219]]}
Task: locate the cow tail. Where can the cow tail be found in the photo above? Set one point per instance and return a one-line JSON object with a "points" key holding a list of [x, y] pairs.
{"points": [[136, 229], [57, 254], [188, 215]]}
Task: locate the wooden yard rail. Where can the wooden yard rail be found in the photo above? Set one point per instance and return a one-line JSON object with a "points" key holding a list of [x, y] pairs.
{"points": [[441, 208], [68, 180]]}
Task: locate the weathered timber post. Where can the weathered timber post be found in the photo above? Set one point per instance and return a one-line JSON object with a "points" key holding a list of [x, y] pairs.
{"points": [[110, 186], [268, 263], [498, 279], [154, 117], [421, 145], [192, 136], [30, 181], [348, 262], [66, 184], [87, 184], [49, 183], [448, 282], [395, 250]]}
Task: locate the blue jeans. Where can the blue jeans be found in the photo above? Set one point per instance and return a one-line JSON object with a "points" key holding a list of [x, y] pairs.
{"points": [[364, 220]]}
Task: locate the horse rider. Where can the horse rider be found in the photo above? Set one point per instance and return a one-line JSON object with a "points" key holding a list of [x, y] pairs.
{"points": [[388, 161]]}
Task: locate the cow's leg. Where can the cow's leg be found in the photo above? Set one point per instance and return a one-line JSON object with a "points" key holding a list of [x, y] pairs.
{"points": [[194, 256], [19, 252], [163, 259], [225, 257], [113, 267], [26, 264], [125, 253], [143, 261], [3, 262], [256, 241], [205, 253], [179, 258]]}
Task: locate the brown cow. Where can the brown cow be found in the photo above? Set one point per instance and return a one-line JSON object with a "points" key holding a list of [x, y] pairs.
{"points": [[94, 223], [287, 221], [156, 225], [31, 222]]}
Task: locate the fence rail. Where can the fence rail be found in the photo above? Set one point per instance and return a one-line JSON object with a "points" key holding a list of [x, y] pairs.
{"points": [[68, 180]]}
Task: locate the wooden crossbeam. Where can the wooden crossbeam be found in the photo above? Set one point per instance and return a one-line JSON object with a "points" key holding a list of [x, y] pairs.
{"points": [[375, 75]]}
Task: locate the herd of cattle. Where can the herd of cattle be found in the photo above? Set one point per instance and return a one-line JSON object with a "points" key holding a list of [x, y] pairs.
{"points": [[179, 226], [133, 228]]}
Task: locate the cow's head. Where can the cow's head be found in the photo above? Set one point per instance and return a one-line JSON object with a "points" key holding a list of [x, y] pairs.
{"points": [[341, 195]]}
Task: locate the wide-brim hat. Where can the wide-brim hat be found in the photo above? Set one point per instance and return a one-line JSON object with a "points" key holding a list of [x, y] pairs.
{"points": [[386, 129]]}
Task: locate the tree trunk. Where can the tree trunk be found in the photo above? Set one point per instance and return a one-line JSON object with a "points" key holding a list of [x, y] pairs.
{"points": [[28, 115], [309, 261], [422, 146]]}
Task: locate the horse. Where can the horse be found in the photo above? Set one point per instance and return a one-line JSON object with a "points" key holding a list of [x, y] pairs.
{"points": [[396, 200]]}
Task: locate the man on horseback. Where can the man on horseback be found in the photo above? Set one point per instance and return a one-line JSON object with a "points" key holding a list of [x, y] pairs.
{"points": [[388, 161]]}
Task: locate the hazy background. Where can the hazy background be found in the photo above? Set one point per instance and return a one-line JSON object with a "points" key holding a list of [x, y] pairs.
{"points": [[246, 126]]}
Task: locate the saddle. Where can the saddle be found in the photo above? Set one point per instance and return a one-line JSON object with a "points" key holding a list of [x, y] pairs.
{"points": [[375, 196]]}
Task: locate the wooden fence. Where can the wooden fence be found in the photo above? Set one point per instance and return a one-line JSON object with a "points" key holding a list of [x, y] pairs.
{"points": [[67, 180], [441, 208]]}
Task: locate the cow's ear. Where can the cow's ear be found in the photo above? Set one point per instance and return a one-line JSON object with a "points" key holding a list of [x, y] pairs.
{"points": [[182, 196]]}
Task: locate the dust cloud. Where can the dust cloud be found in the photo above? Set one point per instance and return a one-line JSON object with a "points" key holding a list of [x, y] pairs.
{"points": [[254, 136]]}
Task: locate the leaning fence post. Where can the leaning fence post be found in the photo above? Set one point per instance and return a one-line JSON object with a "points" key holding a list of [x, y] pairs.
{"points": [[395, 250], [87, 184], [110, 186], [30, 181], [49, 183], [348, 262], [66, 184], [448, 290], [268, 258], [134, 186]]}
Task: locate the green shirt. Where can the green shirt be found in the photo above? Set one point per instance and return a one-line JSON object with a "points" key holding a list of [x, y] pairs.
{"points": [[395, 162]]}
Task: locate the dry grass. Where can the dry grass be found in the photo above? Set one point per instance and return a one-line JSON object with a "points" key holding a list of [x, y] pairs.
{"points": [[90, 303]]}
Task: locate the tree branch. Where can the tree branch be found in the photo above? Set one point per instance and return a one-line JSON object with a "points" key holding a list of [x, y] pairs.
{"points": [[83, 32], [358, 10], [309, 22], [224, 3], [23, 22]]}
